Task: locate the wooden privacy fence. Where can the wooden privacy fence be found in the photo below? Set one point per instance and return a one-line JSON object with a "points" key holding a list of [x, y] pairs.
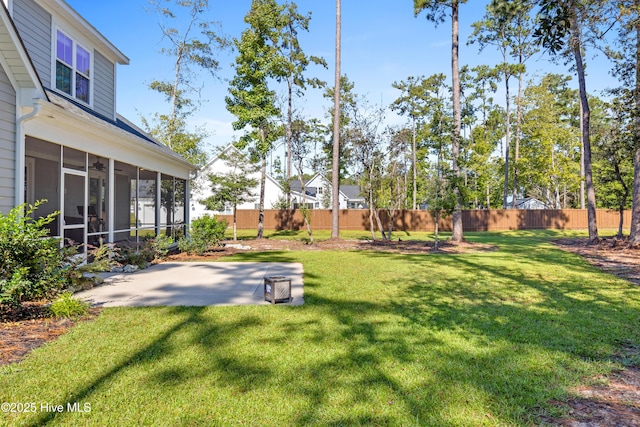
{"points": [[410, 220]]}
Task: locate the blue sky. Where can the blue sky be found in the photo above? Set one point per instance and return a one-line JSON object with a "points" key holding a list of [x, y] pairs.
{"points": [[381, 43]]}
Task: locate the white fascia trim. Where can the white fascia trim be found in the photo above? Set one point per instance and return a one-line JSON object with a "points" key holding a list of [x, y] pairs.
{"points": [[59, 8], [119, 138], [32, 87], [273, 180], [217, 156]]}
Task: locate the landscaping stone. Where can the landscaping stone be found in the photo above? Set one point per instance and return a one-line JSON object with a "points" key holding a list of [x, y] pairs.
{"points": [[130, 268], [237, 246]]}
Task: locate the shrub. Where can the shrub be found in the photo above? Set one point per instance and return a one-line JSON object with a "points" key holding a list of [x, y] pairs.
{"points": [[140, 257], [68, 306], [104, 257], [206, 232], [151, 248], [188, 245], [32, 265], [84, 275], [160, 245]]}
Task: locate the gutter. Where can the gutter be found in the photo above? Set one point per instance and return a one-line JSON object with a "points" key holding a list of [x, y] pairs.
{"points": [[21, 151]]}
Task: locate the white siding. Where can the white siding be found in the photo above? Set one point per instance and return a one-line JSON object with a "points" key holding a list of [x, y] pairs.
{"points": [[104, 86], [7, 143], [201, 190], [34, 26]]}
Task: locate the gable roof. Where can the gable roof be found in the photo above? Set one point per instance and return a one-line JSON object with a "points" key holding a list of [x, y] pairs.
{"points": [[352, 192], [80, 24], [14, 57], [521, 203], [219, 155], [296, 187], [233, 148], [349, 192]]}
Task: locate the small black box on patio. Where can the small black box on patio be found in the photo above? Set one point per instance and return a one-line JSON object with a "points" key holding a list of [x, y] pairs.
{"points": [[277, 289]]}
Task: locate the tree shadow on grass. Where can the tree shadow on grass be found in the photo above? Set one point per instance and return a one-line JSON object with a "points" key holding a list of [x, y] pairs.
{"points": [[483, 340], [160, 348], [579, 317], [518, 345]]}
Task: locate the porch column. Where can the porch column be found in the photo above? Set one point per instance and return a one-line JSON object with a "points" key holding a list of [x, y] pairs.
{"points": [[111, 200], [187, 206], [158, 201]]}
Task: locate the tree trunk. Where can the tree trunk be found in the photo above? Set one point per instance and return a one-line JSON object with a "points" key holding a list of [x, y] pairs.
{"points": [[380, 227], [305, 215], [235, 223], [335, 178], [507, 142], [415, 167], [518, 134], [392, 215], [625, 195], [634, 236], [582, 199], [289, 136], [586, 142], [488, 197], [263, 179], [457, 235], [304, 210], [435, 235], [371, 226]]}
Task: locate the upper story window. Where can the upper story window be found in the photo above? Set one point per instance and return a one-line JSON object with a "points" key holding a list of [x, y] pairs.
{"points": [[73, 68]]}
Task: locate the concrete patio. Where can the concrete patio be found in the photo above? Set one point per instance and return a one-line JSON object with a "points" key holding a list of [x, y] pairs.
{"points": [[194, 284]]}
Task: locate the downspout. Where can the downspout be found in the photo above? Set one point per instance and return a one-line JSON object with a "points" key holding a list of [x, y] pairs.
{"points": [[21, 151]]}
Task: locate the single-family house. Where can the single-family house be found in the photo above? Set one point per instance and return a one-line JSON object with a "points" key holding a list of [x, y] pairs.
{"points": [[530, 203], [273, 192], [62, 140], [353, 196], [319, 189]]}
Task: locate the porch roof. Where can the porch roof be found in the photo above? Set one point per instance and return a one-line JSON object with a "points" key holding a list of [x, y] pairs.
{"points": [[120, 126]]}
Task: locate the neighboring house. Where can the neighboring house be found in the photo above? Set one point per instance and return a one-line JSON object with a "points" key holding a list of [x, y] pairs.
{"points": [[62, 140], [530, 203], [317, 189], [354, 197], [318, 192], [273, 191]]}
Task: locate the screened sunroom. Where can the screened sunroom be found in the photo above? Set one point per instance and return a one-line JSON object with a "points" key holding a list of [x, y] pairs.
{"points": [[100, 199], [109, 183]]}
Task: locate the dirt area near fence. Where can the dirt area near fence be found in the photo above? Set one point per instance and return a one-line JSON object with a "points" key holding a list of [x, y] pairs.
{"points": [[396, 246], [615, 401]]}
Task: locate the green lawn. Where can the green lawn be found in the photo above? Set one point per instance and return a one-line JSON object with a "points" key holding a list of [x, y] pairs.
{"points": [[427, 340]]}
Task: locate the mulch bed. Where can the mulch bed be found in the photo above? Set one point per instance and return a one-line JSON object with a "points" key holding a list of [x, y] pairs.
{"points": [[29, 326], [396, 246]]}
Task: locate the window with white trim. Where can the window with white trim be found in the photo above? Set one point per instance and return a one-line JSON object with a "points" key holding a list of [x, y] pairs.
{"points": [[73, 68]]}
